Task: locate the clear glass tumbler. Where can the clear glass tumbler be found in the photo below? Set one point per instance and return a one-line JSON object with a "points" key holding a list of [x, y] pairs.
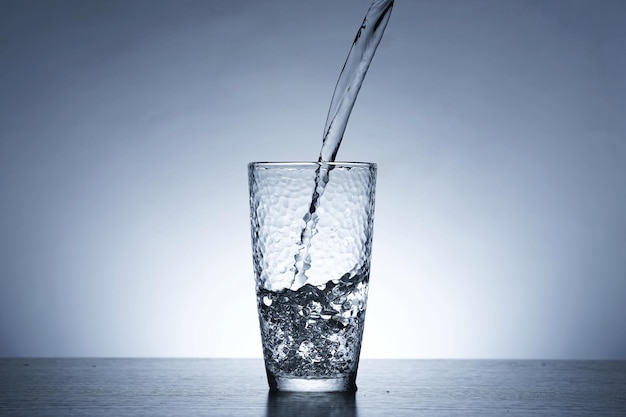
{"points": [[311, 227]]}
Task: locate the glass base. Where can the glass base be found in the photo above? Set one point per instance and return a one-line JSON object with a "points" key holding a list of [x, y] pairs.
{"points": [[287, 384]]}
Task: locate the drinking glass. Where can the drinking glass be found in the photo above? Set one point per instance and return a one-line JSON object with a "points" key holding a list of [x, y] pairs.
{"points": [[311, 227]]}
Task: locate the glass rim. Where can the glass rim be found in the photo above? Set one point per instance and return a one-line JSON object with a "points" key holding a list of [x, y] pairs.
{"points": [[309, 164]]}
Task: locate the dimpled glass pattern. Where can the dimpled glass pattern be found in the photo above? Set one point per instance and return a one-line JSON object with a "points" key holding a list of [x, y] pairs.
{"points": [[312, 330]]}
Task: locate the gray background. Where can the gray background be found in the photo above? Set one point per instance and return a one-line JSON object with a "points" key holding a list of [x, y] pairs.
{"points": [[498, 127]]}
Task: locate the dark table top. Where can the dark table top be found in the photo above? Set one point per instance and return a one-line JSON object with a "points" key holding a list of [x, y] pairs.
{"points": [[237, 387]]}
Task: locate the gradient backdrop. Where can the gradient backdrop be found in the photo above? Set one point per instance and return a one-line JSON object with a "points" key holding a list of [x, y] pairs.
{"points": [[498, 126]]}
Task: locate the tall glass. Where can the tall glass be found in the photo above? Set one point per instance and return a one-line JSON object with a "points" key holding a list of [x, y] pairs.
{"points": [[311, 227]]}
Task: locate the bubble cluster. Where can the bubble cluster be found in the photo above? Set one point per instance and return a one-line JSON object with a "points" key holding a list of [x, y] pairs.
{"points": [[315, 331]]}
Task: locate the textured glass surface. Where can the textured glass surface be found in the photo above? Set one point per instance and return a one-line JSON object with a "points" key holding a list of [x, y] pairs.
{"points": [[312, 328]]}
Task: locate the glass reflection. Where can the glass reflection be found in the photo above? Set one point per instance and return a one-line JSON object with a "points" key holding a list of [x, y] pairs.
{"points": [[311, 404]]}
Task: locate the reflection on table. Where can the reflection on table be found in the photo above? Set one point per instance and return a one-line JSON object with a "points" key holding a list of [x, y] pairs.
{"points": [[311, 404]]}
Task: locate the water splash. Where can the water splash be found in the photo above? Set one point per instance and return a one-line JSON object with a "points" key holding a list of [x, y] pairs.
{"points": [[348, 85]]}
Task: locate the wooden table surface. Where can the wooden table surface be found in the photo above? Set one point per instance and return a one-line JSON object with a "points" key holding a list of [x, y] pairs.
{"points": [[237, 387]]}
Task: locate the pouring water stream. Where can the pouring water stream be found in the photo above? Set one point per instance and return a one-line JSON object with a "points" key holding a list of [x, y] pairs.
{"points": [[348, 85]]}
